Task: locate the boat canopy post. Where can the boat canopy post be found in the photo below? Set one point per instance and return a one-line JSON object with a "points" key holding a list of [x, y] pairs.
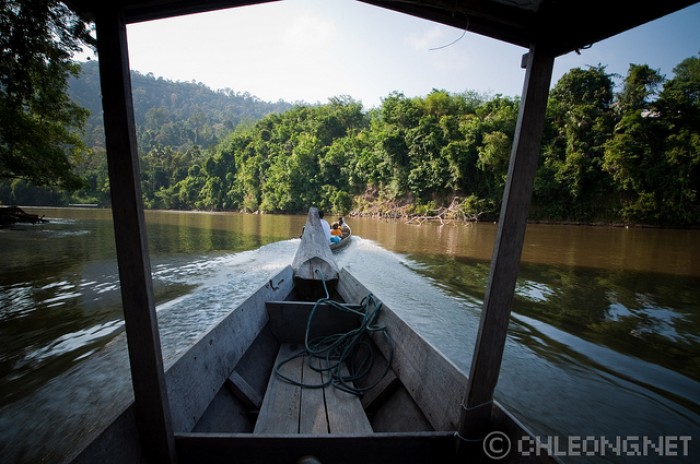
{"points": [[493, 327], [152, 408]]}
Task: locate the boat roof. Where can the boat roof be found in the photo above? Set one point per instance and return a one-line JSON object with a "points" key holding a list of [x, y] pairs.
{"points": [[557, 26]]}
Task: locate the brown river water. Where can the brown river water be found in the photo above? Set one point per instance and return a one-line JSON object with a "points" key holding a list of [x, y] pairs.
{"points": [[604, 340]]}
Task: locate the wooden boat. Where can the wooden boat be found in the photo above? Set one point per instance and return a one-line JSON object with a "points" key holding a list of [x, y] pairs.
{"points": [[10, 215], [421, 416], [344, 239], [259, 387]]}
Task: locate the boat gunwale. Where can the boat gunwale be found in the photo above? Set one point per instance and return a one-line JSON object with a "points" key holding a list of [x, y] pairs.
{"points": [[437, 394]]}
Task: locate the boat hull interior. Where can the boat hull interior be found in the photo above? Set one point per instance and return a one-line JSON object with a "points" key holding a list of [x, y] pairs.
{"points": [[227, 400]]}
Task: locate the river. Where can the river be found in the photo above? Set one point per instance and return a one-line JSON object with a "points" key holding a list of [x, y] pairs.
{"points": [[604, 339]]}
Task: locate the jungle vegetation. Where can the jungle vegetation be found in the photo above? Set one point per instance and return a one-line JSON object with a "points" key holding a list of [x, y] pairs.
{"points": [[616, 149], [630, 156], [40, 126]]}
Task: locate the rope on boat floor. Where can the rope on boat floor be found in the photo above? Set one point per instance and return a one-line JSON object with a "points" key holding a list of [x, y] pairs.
{"points": [[337, 349]]}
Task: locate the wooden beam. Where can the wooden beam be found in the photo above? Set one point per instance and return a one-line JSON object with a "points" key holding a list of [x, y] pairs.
{"points": [[289, 320], [244, 392], [493, 327], [387, 385], [379, 448], [152, 409]]}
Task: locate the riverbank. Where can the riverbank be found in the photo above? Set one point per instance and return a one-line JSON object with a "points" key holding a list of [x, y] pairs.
{"points": [[454, 214]]}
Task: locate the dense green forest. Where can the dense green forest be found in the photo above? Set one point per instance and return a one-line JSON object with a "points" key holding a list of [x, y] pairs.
{"points": [[623, 149]]}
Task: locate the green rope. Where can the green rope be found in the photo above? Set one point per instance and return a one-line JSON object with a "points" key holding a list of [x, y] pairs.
{"points": [[336, 349]]}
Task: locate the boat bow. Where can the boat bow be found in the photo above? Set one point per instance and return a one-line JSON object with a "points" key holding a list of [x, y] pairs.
{"points": [[314, 262]]}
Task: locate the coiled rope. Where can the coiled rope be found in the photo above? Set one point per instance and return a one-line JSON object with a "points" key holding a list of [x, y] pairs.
{"points": [[337, 349]]}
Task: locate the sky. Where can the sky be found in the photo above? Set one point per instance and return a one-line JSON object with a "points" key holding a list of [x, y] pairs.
{"points": [[312, 50]]}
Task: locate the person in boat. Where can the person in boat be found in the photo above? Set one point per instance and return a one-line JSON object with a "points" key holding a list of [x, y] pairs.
{"points": [[336, 233], [344, 228], [325, 226]]}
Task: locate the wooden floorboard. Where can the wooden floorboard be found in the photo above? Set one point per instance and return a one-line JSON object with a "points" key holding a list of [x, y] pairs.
{"points": [[279, 412], [289, 408], [313, 405], [345, 412]]}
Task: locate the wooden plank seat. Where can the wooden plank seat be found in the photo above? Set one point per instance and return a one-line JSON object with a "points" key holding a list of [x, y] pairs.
{"points": [[290, 408]]}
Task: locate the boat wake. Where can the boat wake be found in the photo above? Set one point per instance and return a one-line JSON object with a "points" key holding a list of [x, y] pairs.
{"points": [[98, 386]]}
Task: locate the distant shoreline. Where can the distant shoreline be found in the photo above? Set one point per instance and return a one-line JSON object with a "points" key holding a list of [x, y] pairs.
{"points": [[398, 217]]}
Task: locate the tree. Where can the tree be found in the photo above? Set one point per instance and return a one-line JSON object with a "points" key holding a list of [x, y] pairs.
{"points": [[40, 127], [579, 116], [678, 110], [494, 127], [631, 154]]}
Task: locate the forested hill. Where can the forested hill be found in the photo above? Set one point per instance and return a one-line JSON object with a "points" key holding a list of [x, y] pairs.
{"points": [[174, 114], [612, 152]]}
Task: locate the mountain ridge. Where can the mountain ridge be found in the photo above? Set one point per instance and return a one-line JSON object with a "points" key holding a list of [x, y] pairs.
{"points": [[170, 113]]}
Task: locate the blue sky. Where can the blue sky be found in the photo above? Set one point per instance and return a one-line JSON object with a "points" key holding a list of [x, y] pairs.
{"points": [[311, 50]]}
